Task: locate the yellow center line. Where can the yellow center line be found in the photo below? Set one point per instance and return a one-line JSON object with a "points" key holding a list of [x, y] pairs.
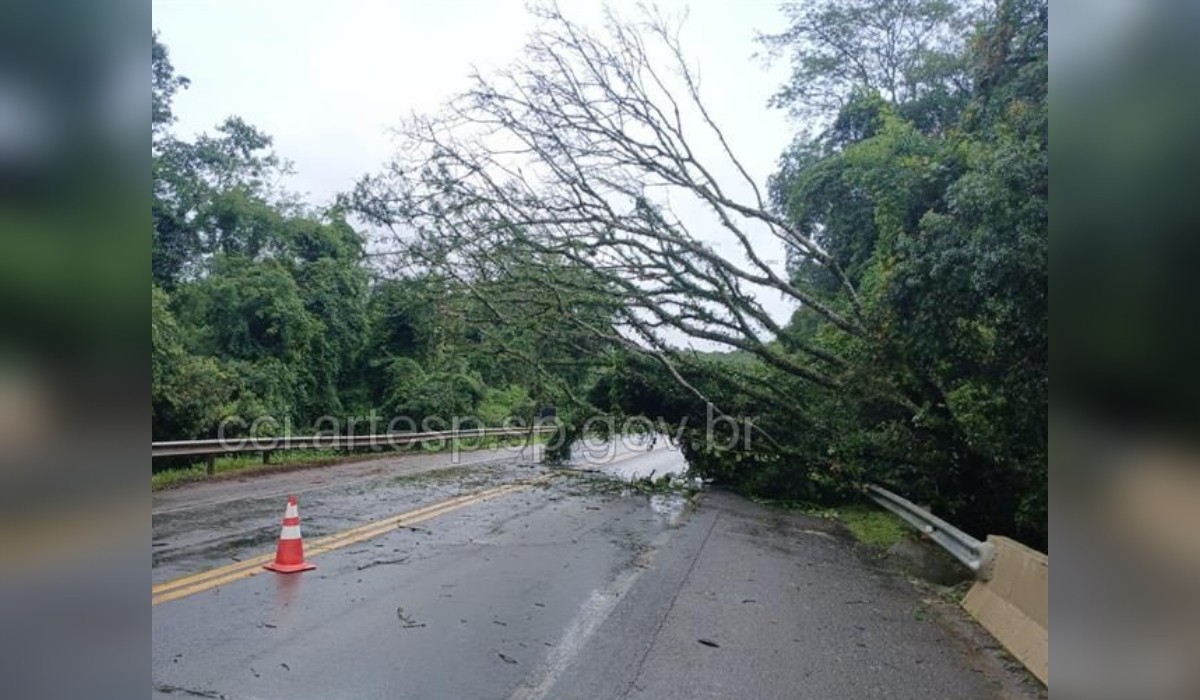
{"points": [[205, 580]]}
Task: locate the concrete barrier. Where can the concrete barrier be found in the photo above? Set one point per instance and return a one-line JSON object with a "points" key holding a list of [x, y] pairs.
{"points": [[1014, 604]]}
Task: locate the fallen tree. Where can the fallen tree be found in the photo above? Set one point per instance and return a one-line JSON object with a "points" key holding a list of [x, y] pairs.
{"points": [[576, 162]]}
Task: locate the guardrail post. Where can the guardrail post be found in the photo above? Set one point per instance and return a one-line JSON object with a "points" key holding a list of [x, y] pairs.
{"points": [[266, 456], [210, 465]]}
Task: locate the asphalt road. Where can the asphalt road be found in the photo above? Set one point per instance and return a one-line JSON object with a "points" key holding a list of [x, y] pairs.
{"points": [[573, 587]]}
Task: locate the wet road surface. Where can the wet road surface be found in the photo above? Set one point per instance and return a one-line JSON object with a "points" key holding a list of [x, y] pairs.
{"points": [[573, 588]]}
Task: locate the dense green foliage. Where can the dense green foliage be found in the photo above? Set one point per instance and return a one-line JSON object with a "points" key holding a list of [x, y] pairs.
{"points": [[934, 202], [264, 306]]}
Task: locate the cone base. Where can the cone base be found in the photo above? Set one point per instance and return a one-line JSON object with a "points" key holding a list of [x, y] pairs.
{"points": [[289, 568]]}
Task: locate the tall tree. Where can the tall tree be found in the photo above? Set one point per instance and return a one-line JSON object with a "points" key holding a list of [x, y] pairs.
{"points": [[164, 84], [909, 52]]}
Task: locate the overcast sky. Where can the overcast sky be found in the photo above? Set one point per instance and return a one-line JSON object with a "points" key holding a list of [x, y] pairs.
{"points": [[327, 79]]}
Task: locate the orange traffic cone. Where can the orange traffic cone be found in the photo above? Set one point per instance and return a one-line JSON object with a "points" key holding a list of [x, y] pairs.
{"points": [[289, 555]]}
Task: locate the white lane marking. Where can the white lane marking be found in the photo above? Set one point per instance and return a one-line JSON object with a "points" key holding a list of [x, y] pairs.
{"points": [[594, 611]]}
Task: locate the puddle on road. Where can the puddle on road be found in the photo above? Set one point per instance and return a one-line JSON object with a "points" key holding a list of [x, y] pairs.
{"points": [[655, 465]]}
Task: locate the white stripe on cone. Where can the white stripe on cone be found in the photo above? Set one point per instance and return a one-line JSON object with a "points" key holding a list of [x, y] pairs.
{"points": [[292, 511], [290, 532]]}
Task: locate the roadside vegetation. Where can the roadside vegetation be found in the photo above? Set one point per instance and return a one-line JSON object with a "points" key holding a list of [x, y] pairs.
{"points": [[869, 524], [246, 464], [265, 305], [465, 279]]}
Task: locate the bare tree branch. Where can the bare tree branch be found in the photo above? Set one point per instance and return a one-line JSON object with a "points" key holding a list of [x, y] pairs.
{"points": [[575, 154]]}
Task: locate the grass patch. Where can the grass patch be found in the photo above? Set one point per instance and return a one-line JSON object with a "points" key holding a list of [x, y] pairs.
{"points": [[174, 477], [869, 524], [251, 463], [872, 526]]}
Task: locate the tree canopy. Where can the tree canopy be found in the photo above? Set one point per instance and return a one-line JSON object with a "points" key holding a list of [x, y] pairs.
{"points": [[264, 305]]}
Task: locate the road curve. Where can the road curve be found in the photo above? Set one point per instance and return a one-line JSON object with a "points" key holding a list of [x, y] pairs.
{"points": [[571, 589]]}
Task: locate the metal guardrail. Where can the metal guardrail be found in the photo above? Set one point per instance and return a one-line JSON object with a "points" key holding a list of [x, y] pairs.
{"points": [[267, 445], [976, 555]]}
